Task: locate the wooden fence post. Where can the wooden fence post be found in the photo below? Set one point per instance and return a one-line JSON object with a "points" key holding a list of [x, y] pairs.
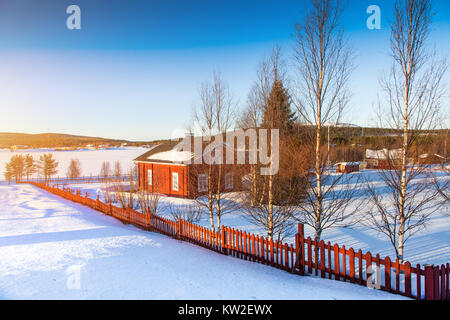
{"points": [[224, 240], [352, 265], [443, 286], [369, 270], [408, 279], [436, 276], [429, 282], [447, 276], [179, 229], [302, 250], [387, 274], [299, 249]]}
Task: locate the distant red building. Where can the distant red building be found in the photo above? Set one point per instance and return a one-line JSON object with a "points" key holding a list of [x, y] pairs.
{"points": [[347, 167], [383, 159], [427, 158]]}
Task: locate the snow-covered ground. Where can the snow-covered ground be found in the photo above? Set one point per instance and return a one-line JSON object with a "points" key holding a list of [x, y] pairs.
{"points": [[431, 245], [91, 160], [51, 248]]}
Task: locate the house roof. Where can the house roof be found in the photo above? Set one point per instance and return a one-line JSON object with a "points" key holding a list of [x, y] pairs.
{"points": [[174, 152], [426, 155], [383, 154], [347, 163], [166, 152]]}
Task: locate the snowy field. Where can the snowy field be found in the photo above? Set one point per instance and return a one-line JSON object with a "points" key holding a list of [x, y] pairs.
{"points": [[431, 245], [51, 248], [91, 160]]}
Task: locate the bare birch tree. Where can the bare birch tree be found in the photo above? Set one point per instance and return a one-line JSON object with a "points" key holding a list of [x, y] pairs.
{"points": [[126, 194], [323, 61], [74, 169], [214, 116], [252, 117], [149, 201], [117, 169], [105, 169], [414, 91], [190, 212]]}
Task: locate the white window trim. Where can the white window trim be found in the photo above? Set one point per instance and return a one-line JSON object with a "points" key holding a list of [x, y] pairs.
{"points": [[199, 185], [229, 181], [175, 185], [150, 177]]}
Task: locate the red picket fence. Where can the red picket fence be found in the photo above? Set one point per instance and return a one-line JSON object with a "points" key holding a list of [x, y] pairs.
{"points": [[340, 263], [79, 180], [307, 256]]}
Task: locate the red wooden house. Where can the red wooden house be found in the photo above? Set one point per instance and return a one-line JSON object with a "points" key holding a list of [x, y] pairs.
{"points": [[347, 167], [383, 159], [169, 170]]}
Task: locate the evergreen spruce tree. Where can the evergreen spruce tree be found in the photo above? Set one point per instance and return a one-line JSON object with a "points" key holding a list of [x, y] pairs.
{"points": [[277, 111]]}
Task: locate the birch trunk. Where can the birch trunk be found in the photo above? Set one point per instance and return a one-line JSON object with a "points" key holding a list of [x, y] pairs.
{"points": [[270, 216], [218, 197], [403, 181], [210, 200]]}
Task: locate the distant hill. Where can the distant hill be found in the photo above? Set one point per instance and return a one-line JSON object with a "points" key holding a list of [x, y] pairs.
{"points": [[55, 140], [343, 134]]}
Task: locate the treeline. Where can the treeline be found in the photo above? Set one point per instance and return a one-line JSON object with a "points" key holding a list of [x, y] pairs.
{"points": [[50, 140], [349, 143], [24, 167], [21, 167]]}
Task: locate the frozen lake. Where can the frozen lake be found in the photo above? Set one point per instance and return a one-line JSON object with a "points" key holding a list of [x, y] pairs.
{"points": [[91, 160]]}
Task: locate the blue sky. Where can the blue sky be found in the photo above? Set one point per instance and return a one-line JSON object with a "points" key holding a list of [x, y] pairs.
{"points": [[134, 68]]}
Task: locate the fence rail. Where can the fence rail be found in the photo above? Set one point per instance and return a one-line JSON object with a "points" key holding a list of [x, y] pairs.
{"points": [[305, 256], [66, 181]]}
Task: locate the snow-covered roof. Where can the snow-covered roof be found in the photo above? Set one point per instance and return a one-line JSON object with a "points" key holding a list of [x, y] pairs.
{"points": [[172, 156], [426, 155], [347, 163], [176, 152], [383, 154]]}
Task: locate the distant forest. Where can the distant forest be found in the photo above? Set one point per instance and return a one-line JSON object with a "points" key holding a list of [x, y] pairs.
{"points": [[56, 140], [348, 143]]}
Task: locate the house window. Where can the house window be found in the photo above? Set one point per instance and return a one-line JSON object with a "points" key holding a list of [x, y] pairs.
{"points": [[202, 183], [229, 180], [150, 177], [175, 181]]}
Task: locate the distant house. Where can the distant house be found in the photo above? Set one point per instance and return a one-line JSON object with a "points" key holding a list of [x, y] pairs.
{"points": [[383, 159], [427, 158], [347, 167], [90, 147], [18, 147], [169, 169]]}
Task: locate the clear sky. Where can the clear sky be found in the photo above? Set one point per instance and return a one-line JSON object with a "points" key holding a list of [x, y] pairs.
{"points": [[134, 69]]}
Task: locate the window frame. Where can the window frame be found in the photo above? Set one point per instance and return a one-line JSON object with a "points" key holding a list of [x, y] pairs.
{"points": [[229, 182], [177, 184], [202, 177], [150, 177]]}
